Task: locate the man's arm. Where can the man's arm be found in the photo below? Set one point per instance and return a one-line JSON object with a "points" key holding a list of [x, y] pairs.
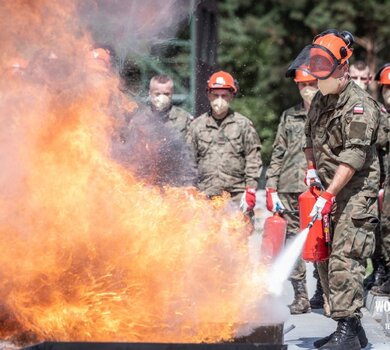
{"points": [[309, 154], [253, 163], [343, 174], [277, 157]]}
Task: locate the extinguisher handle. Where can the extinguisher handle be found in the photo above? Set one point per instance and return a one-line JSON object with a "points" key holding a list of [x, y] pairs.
{"points": [[316, 188]]}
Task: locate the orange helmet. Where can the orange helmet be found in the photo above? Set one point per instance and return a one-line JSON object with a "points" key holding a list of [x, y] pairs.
{"points": [[383, 75], [101, 58], [15, 66], [301, 76], [222, 80], [328, 51]]}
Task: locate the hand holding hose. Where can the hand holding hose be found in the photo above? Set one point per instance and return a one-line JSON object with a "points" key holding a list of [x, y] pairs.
{"points": [[323, 205], [273, 201]]}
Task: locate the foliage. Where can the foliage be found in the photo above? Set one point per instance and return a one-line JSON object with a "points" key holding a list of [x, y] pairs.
{"points": [[258, 40]]}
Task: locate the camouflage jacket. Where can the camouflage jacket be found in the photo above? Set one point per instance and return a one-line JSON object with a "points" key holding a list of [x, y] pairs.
{"points": [[176, 117], [286, 171], [382, 143], [228, 156], [343, 129]]}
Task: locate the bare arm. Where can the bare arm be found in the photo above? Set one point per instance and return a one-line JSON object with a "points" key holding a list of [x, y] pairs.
{"points": [[342, 176]]}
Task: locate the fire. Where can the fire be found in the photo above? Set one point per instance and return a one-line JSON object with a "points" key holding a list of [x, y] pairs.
{"points": [[90, 252]]}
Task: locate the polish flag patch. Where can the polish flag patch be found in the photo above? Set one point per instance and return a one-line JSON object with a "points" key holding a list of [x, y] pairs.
{"points": [[358, 109]]}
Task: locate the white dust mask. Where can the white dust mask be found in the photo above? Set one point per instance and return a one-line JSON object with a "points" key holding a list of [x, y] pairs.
{"points": [[308, 93], [219, 106], [161, 102], [328, 86]]}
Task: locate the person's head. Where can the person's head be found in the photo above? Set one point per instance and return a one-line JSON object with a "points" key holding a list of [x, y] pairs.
{"points": [[383, 79], [221, 89], [360, 74], [327, 60], [161, 92], [307, 85]]}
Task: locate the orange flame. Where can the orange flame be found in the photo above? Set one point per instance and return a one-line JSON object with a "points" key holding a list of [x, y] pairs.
{"points": [[88, 251]]}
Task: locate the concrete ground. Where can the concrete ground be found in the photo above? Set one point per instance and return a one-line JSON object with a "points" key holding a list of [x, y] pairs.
{"points": [[312, 326]]}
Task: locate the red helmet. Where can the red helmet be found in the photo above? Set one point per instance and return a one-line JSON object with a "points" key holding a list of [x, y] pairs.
{"points": [[328, 51], [222, 80], [383, 75]]}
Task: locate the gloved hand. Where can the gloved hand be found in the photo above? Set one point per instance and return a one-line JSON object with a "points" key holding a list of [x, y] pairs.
{"points": [[312, 176], [323, 205], [248, 200], [273, 201]]}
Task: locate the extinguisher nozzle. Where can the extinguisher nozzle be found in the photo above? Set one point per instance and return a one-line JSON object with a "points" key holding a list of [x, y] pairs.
{"points": [[313, 220]]}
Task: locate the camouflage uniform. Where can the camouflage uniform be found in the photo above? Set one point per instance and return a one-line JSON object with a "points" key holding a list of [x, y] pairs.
{"points": [[176, 117], [287, 170], [384, 139], [227, 155], [380, 255], [342, 129]]}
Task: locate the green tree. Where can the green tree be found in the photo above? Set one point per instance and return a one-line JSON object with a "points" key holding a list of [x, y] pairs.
{"points": [[258, 40]]}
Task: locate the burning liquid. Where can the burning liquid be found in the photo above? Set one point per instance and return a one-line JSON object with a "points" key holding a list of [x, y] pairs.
{"points": [[89, 251], [284, 264]]}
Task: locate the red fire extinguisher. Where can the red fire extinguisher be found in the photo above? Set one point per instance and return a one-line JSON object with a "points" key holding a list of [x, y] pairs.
{"points": [[274, 236], [316, 247]]}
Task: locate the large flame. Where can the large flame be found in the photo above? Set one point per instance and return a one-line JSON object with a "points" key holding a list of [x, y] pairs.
{"points": [[88, 252]]}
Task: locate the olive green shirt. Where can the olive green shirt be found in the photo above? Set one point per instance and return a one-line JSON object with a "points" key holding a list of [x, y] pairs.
{"points": [[343, 129], [227, 155], [177, 118], [286, 171]]}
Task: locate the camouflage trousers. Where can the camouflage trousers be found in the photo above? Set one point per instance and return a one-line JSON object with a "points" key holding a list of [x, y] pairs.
{"points": [[385, 224], [354, 221], [290, 201]]}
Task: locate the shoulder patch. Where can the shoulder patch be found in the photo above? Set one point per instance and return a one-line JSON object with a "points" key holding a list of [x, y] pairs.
{"points": [[358, 109]]}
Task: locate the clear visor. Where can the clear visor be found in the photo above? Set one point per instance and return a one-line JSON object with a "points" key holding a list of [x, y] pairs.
{"points": [[315, 60]]}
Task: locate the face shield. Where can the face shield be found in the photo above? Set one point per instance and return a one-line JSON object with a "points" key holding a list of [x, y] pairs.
{"points": [[317, 60]]}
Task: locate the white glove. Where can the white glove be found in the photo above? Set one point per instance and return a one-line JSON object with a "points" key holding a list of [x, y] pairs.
{"points": [[273, 201], [312, 176]]}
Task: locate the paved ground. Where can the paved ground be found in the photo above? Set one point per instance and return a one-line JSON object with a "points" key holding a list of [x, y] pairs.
{"points": [[309, 327]]}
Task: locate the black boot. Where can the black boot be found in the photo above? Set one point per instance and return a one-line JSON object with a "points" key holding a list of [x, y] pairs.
{"points": [[301, 304], [360, 333], [317, 300], [380, 276], [345, 337], [383, 289]]}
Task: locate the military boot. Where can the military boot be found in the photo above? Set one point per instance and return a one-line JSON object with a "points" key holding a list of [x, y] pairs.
{"points": [[383, 289], [350, 335], [317, 300], [301, 304], [380, 276]]}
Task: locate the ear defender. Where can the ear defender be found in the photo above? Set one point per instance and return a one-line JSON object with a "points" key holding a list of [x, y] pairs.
{"points": [[348, 39]]}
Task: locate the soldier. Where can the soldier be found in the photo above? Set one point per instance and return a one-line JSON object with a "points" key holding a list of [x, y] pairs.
{"points": [[226, 147], [160, 94], [284, 178], [340, 133], [383, 78], [360, 74]]}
